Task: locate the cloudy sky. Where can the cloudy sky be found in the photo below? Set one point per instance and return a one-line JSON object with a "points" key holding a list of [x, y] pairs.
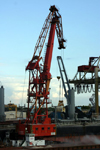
{"points": [[20, 24]]}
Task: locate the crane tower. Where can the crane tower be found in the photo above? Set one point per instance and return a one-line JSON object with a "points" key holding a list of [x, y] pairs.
{"points": [[40, 76]]}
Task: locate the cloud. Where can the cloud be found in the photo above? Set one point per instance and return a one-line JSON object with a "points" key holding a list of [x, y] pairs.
{"points": [[15, 90], [55, 95], [54, 86], [68, 58], [18, 98]]}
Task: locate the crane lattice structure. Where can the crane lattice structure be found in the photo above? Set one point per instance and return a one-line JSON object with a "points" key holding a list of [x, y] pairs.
{"points": [[38, 122], [83, 83]]}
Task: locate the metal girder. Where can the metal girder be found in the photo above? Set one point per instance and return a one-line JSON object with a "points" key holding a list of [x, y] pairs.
{"points": [[92, 68], [64, 78], [85, 81]]}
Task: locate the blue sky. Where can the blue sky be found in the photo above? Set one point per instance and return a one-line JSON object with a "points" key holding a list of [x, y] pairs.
{"points": [[20, 24]]}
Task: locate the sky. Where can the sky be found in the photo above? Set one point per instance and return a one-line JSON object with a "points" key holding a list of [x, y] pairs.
{"points": [[20, 24]]}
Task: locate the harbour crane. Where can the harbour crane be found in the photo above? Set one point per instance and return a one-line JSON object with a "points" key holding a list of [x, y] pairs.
{"points": [[39, 78], [69, 93]]}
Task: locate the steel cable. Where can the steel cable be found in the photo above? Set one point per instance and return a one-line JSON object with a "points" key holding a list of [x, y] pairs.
{"points": [[85, 88], [81, 88], [88, 89]]}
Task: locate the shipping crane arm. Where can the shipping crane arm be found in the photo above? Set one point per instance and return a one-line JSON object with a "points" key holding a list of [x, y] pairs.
{"points": [[69, 93], [42, 37], [59, 31], [64, 78]]}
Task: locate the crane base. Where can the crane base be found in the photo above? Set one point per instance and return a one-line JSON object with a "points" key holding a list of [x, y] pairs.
{"points": [[42, 129]]}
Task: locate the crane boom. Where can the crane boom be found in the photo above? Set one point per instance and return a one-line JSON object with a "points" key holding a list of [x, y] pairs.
{"points": [[69, 93], [64, 78], [49, 50]]}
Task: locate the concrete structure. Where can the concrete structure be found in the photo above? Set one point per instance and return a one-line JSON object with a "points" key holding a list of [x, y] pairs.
{"points": [[2, 115]]}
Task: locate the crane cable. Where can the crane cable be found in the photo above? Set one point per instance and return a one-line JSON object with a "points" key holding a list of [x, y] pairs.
{"points": [[23, 88], [60, 90]]}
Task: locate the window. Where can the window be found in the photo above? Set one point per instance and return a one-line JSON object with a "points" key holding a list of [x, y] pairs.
{"points": [[48, 128]]}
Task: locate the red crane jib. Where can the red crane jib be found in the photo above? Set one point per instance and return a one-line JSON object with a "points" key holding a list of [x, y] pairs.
{"points": [[49, 50]]}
